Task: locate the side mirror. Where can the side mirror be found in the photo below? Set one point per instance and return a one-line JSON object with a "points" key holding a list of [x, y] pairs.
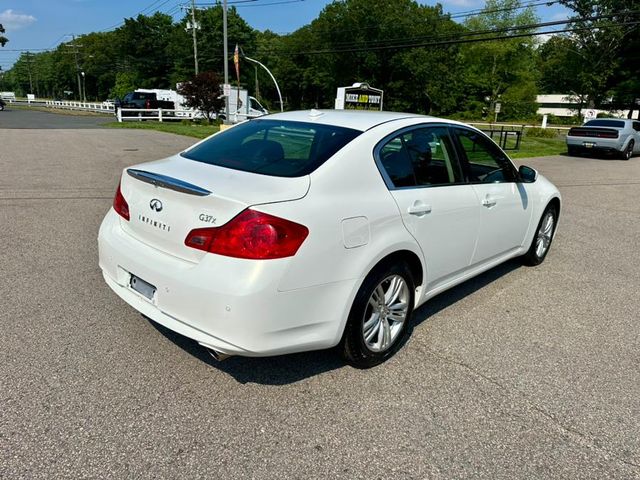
{"points": [[527, 174]]}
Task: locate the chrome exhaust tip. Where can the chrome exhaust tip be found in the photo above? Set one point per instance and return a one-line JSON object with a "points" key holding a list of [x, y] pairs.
{"points": [[218, 356]]}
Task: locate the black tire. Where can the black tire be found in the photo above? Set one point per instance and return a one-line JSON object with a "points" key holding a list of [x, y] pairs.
{"points": [[572, 151], [533, 256], [353, 345], [627, 153], [1, 108]]}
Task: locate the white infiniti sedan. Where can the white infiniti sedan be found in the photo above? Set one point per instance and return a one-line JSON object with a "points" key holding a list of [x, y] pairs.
{"points": [[306, 230]]}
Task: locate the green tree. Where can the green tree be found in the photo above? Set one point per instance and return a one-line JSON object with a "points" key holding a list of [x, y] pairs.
{"points": [[125, 82], [501, 70], [360, 40], [603, 36], [3, 39], [143, 49], [559, 65], [202, 92]]}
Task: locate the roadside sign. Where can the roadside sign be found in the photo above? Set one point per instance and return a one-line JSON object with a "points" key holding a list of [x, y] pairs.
{"points": [[359, 96], [498, 107], [590, 114], [226, 89]]}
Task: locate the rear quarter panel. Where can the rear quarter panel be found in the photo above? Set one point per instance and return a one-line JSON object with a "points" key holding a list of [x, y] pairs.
{"points": [[347, 186]]}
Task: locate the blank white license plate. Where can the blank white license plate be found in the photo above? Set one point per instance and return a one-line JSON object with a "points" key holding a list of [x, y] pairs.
{"points": [[142, 287]]}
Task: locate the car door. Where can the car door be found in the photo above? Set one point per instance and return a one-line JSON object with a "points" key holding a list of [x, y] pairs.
{"points": [[505, 204], [438, 208]]}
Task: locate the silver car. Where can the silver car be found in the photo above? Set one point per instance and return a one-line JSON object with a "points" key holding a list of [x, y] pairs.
{"points": [[608, 135]]}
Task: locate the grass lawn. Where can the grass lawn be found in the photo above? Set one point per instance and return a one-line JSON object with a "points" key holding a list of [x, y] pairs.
{"points": [[539, 147], [529, 146], [189, 130]]}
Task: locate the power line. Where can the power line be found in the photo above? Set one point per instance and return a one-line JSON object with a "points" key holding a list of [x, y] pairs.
{"points": [[467, 13], [117, 25], [381, 44], [243, 3], [472, 13], [448, 40], [281, 2]]}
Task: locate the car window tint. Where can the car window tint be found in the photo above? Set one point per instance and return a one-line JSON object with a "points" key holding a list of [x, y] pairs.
{"points": [[486, 162], [273, 147], [605, 123], [636, 126], [432, 157], [396, 162]]}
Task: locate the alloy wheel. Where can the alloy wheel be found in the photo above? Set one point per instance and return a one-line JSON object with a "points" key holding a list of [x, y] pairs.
{"points": [[385, 313], [629, 152], [545, 233]]}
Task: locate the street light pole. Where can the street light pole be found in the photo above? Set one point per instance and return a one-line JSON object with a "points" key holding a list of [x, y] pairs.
{"points": [[226, 60], [84, 88], [272, 78]]}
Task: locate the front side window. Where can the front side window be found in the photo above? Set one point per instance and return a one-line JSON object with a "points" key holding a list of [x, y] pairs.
{"points": [[255, 105], [486, 162], [272, 147], [420, 157]]}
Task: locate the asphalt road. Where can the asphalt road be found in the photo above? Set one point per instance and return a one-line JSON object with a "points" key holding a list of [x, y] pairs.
{"points": [[22, 117], [520, 373]]}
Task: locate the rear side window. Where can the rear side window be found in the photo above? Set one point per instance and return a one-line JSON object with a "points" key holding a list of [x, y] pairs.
{"points": [[271, 147], [636, 126], [420, 157]]}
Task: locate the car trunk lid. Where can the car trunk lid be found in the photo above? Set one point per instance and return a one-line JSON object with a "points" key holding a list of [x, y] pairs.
{"points": [[169, 198]]}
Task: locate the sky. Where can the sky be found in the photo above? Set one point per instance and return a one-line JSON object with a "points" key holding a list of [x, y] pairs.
{"points": [[41, 24]]}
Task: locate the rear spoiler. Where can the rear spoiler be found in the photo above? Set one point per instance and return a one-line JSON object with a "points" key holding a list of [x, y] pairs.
{"points": [[164, 181]]}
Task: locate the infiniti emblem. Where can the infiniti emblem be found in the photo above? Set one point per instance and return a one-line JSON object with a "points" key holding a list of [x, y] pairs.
{"points": [[156, 205]]}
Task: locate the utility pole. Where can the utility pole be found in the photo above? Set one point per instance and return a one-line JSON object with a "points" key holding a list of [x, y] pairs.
{"points": [[29, 70], [226, 59], [193, 32], [75, 54]]}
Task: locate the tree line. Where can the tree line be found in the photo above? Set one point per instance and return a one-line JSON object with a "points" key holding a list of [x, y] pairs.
{"points": [[423, 59]]}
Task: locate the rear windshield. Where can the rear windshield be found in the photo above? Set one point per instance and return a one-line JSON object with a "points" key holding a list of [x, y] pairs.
{"points": [[605, 123], [272, 147]]}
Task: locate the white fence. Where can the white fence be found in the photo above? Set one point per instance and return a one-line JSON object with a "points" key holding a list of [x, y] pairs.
{"points": [[159, 114], [104, 107], [492, 126]]}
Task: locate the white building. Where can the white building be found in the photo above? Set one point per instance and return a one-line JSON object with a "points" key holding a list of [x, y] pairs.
{"points": [[564, 105]]}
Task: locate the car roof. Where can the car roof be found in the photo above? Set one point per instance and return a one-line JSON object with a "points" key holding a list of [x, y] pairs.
{"points": [[611, 120], [356, 119]]}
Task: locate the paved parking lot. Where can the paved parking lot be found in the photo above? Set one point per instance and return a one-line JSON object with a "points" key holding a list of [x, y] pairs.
{"points": [[520, 373]]}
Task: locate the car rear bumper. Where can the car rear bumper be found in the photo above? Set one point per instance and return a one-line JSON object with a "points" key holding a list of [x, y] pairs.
{"points": [[231, 305], [585, 144]]}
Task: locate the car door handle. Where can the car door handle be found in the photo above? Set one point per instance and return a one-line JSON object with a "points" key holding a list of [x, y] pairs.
{"points": [[488, 202], [418, 208]]}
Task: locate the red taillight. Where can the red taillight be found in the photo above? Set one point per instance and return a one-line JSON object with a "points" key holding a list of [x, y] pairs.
{"points": [[120, 205], [251, 234], [147, 104]]}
